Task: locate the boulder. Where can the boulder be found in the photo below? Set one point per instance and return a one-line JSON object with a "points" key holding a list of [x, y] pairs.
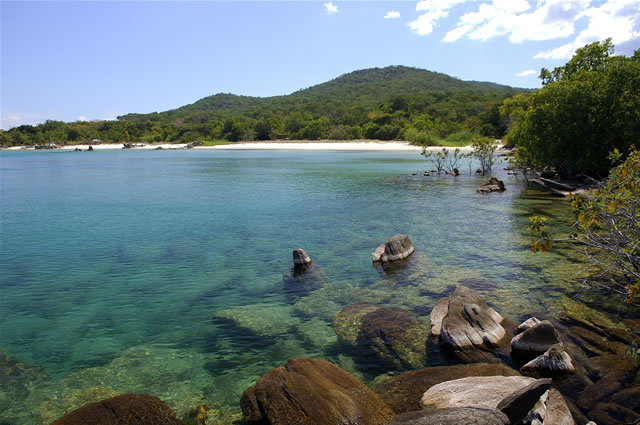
{"points": [[493, 185], [438, 312], [517, 404], [554, 362], [396, 248], [396, 337], [529, 323], [403, 392], [557, 411], [300, 258], [347, 322], [535, 340], [125, 409], [470, 323], [454, 416], [476, 391], [312, 392]]}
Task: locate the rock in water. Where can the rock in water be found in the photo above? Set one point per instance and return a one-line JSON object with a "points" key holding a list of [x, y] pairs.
{"points": [[458, 416], [300, 258], [125, 409], [302, 280], [470, 323], [535, 340], [554, 362], [437, 314], [402, 392], [529, 323], [477, 391], [312, 392], [347, 322], [396, 248], [493, 185], [517, 404], [396, 337]]}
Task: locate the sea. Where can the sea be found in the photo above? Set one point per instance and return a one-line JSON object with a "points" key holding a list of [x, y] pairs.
{"points": [[161, 272]]}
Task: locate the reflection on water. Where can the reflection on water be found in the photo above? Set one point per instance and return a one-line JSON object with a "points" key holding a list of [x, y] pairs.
{"points": [[162, 272]]}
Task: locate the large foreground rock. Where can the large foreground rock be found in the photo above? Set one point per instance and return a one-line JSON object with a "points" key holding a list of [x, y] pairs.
{"points": [[470, 324], [312, 392], [396, 248], [518, 404], [458, 416], [477, 391], [125, 409], [403, 392]]}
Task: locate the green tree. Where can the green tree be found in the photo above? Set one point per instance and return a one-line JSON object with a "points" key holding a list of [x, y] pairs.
{"points": [[587, 108], [484, 149]]}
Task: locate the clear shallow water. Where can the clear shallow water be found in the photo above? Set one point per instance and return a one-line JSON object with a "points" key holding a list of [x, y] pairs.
{"points": [[132, 270]]}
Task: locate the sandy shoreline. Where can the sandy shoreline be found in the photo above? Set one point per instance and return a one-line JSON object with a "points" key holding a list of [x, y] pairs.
{"points": [[363, 145]]}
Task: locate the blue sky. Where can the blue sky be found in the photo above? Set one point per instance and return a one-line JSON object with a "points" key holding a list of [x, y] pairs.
{"points": [[87, 60]]}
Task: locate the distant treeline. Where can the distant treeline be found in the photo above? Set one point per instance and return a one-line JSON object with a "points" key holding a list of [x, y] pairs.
{"points": [[393, 103]]}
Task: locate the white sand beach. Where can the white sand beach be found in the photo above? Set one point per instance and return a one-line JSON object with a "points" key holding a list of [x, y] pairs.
{"points": [[358, 145]]}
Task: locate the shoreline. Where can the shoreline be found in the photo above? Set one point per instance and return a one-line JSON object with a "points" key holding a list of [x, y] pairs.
{"points": [[363, 145]]}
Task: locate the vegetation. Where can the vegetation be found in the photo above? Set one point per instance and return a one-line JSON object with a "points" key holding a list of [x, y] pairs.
{"points": [[586, 108], [607, 224], [483, 150], [393, 103]]}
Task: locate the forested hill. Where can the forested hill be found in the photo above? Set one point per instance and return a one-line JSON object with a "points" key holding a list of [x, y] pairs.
{"points": [[392, 103]]}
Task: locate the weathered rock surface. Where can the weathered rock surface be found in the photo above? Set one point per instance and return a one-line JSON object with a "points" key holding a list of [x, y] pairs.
{"points": [[517, 404], [437, 314], [396, 248], [613, 414], [125, 409], [535, 340], [611, 374], [595, 344], [529, 323], [312, 392], [493, 185], [557, 411], [403, 392], [470, 323], [454, 416], [477, 391], [396, 337], [554, 362]]}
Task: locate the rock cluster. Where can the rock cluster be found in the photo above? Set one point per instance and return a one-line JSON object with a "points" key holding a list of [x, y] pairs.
{"points": [[493, 185]]}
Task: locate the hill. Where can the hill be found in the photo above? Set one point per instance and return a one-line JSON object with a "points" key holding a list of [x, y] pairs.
{"points": [[395, 102]]}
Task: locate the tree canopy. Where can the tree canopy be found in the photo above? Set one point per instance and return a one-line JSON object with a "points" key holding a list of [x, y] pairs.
{"points": [[585, 109]]}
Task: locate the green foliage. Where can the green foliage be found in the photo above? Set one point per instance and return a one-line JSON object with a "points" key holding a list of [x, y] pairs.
{"points": [[392, 103], [445, 159], [587, 108], [484, 149], [540, 237], [609, 222]]}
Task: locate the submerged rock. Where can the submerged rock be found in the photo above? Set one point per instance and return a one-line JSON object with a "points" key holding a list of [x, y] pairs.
{"points": [[303, 280], [261, 319], [403, 392], [312, 392], [125, 409], [453, 416], [396, 248], [347, 322], [396, 337]]}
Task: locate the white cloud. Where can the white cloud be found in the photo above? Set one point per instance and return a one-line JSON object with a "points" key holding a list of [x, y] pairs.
{"points": [[14, 118], [81, 118], [618, 19], [526, 73], [434, 11], [331, 8], [392, 14], [457, 33]]}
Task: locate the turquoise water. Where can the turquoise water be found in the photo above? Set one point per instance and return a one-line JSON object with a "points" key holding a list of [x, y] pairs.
{"points": [[161, 271]]}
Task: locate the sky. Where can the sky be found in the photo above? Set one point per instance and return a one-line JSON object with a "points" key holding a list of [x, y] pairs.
{"points": [[94, 60]]}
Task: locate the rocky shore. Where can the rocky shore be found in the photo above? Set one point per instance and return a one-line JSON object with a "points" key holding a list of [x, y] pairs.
{"points": [[564, 369]]}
